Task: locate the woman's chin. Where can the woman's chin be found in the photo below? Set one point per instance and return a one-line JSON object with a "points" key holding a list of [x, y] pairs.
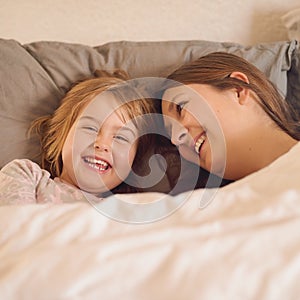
{"points": [[189, 155]]}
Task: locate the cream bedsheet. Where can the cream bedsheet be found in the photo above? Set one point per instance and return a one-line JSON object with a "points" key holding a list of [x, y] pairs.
{"points": [[245, 244]]}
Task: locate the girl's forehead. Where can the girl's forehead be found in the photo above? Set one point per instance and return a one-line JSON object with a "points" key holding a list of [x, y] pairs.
{"points": [[102, 106], [106, 101]]}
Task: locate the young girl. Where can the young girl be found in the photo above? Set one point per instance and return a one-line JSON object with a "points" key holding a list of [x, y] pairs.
{"points": [[90, 144], [226, 116]]}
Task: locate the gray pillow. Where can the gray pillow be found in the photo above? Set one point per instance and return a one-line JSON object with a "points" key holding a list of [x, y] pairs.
{"points": [[293, 77], [34, 77]]}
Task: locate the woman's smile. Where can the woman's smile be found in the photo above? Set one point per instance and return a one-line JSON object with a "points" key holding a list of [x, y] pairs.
{"points": [[199, 141]]}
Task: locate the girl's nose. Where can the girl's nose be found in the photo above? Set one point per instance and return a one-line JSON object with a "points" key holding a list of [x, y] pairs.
{"points": [[179, 134], [101, 144]]}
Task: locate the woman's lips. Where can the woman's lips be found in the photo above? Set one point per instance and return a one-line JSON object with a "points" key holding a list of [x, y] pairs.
{"points": [[199, 142]]}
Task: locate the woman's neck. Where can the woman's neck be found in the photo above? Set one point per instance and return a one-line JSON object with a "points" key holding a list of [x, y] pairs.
{"points": [[274, 144]]}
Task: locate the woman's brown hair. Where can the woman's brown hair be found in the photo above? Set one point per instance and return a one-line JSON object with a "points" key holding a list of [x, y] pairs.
{"points": [[215, 69]]}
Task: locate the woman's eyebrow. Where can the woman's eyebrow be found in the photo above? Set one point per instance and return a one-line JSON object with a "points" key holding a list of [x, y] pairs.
{"points": [[173, 101], [178, 96], [171, 107]]}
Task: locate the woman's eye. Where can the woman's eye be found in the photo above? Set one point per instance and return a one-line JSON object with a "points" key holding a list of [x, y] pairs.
{"points": [[180, 107]]}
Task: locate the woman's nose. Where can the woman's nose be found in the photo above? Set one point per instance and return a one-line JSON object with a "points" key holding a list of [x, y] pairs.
{"points": [[179, 134]]}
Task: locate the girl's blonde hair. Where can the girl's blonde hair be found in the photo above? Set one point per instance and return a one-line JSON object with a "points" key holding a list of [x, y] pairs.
{"points": [[52, 130]]}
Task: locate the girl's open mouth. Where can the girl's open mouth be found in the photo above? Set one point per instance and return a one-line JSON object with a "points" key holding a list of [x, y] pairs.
{"points": [[97, 163]]}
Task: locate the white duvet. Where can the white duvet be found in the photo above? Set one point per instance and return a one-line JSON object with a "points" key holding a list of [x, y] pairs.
{"points": [[244, 244]]}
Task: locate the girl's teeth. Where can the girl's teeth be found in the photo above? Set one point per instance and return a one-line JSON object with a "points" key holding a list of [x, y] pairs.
{"points": [[100, 168], [97, 163], [199, 143]]}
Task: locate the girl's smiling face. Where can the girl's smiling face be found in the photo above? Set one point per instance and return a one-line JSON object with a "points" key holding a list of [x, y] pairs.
{"points": [[100, 148]]}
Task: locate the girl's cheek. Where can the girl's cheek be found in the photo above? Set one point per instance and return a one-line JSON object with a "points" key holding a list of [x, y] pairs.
{"points": [[121, 151], [125, 155]]}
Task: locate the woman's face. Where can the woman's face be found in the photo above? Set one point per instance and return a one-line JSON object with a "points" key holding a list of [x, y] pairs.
{"points": [[210, 127], [100, 148]]}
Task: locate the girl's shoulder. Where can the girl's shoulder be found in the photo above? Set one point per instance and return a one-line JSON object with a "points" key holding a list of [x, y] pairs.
{"points": [[23, 167], [24, 181], [20, 180]]}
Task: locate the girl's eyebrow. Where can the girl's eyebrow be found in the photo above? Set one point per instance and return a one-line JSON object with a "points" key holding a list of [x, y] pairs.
{"points": [[88, 118], [125, 128]]}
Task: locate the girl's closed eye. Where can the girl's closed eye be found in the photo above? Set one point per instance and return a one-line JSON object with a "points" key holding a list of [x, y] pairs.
{"points": [[90, 128], [125, 135], [122, 138]]}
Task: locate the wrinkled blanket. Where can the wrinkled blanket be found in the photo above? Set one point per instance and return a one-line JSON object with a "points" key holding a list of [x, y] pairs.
{"points": [[242, 244]]}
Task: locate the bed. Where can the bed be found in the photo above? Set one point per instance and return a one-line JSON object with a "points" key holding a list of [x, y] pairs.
{"points": [[239, 241]]}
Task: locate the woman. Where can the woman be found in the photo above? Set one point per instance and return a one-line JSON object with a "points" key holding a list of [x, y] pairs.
{"points": [[225, 115]]}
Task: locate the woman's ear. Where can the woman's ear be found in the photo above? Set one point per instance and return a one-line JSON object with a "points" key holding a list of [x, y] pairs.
{"points": [[242, 93], [240, 76]]}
